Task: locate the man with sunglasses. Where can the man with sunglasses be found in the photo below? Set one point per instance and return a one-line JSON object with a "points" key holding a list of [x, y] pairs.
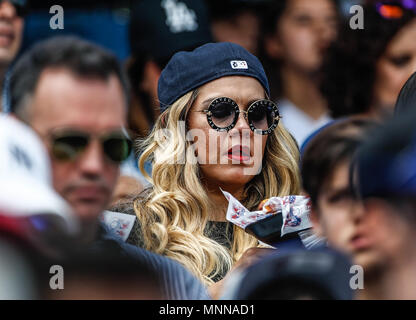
{"points": [[11, 31], [74, 94]]}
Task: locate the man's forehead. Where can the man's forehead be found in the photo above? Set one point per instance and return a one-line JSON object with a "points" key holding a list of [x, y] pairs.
{"points": [[63, 98], [338, 179], [60, 77]]}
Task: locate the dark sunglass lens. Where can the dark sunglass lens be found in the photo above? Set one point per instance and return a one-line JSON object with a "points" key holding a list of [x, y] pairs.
{"points": [[271, 115], [68, 147], [261, 116], [223, 114], [117, 148]]}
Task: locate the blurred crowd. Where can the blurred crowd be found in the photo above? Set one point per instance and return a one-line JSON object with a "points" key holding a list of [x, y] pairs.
{"points": [[91, 183]]}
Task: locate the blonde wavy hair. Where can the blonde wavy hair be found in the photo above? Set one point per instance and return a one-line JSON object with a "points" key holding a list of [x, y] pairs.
{"points": [[174, 212]]}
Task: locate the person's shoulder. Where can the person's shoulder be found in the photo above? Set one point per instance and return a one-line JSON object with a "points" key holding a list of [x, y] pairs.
{"points": [[180, 284], [177, 282], [140, 253], [127, 205]]}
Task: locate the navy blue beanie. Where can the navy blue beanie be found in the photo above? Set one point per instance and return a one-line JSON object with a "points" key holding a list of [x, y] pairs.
{"points": [[407, 97], [386, 163], [188, 70]]}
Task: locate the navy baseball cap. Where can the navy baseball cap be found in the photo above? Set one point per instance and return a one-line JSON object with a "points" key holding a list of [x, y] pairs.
{"points": [[320, 273], [188, 70], [407, 96], [386, 164]]}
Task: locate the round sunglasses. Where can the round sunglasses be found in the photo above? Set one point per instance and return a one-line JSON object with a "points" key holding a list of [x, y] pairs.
{"points": [[69, 144], [262, 115]]}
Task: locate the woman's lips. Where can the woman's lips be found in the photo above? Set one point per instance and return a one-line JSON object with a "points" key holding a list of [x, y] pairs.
{"points": [[360, 242], [239, 153]]}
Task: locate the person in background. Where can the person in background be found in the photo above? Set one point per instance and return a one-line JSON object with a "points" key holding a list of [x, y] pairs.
{"points": [[366, 68], [25, 167], [237, 21], [325, 163], [84, 133], [98, 276], [34, 219], [12, 14], [17, 275], [103, 22], [295, 37], [384, 174], [27, 218], [74, 95], [295, 274], [158, 29]]}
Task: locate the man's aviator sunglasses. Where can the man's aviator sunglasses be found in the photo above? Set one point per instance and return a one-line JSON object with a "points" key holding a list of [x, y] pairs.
{"points": [[67, 145], [262, 115]]}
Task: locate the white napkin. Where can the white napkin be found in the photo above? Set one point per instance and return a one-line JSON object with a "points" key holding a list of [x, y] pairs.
{"points": [[295, 211]]}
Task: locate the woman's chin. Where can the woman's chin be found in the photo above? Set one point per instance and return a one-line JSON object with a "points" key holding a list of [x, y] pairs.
{"points": [[234, 177]]}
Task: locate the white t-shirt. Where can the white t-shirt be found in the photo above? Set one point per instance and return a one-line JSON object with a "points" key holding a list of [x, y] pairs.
{"points": [[297, 122]]}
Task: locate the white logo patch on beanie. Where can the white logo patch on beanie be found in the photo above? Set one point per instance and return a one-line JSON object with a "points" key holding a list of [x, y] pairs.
{"points": [[239, 64]]}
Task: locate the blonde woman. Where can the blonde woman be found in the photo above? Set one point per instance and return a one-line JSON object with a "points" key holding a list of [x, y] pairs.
{"points": [[217, 130]]}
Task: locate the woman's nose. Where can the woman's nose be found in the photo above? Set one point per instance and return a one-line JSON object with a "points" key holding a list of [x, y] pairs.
{"points": [[242, 121], [241, 127]]}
